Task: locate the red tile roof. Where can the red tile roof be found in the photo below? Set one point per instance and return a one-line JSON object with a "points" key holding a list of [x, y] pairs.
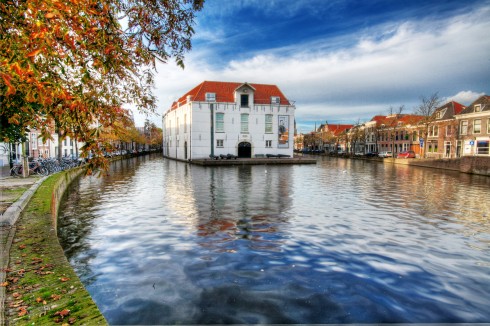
{"points": [[225, 93], [338, 129]]}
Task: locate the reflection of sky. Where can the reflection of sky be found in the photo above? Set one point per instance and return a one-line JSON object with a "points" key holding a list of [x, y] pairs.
{"points": [[368, 242]]}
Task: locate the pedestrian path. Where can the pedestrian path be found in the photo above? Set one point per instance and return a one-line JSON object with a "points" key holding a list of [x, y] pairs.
{"points": [[15, 193]]}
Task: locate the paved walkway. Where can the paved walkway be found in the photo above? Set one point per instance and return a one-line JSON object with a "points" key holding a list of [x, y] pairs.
{"points": [[14, 196]]}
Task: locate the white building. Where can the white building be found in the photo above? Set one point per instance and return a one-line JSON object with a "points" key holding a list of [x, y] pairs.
{"points": [[246, 120]]}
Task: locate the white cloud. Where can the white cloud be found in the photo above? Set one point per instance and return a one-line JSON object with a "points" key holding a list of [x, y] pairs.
{"points": [[390, 65], [464, 97]]}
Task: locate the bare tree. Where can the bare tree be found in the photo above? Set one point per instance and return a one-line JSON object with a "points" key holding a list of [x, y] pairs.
{"points": [[395, 115], [427, 109]]}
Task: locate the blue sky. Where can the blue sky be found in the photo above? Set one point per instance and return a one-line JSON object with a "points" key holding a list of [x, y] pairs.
{"points": [[341, 61]]}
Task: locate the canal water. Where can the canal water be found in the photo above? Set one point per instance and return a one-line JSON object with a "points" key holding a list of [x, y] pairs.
{"points": [[343, 241]]}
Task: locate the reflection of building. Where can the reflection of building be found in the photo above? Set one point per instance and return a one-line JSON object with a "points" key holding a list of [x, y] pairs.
{"points": [[229, 118]]}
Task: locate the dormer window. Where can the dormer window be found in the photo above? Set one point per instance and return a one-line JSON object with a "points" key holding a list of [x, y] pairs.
{"points": [[244, 101], [477, 107], [438, 115], [210, 97], [275, 100]]}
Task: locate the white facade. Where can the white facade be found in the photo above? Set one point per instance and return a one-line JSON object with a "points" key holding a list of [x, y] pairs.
{"points": [[229, 118]]}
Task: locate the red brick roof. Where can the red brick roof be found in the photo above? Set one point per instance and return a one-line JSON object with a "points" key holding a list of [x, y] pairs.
{"points": [[338, 129], [225, 93]]}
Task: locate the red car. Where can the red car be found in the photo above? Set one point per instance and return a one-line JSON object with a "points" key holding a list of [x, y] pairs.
{"points": [[406, 154]]}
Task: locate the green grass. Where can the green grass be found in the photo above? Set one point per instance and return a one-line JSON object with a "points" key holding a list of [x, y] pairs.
{"points": [[39, 273]]}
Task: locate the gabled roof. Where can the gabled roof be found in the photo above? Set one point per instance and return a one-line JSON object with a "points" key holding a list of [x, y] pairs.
{"points": [[483, 101], [225, 92], [449, 109], [338, 129]]}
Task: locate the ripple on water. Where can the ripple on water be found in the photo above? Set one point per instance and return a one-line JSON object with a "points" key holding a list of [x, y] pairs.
{"points": [[164, 242]]}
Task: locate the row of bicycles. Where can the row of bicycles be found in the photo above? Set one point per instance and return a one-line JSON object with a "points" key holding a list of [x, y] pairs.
{"points": [[46, 166]]}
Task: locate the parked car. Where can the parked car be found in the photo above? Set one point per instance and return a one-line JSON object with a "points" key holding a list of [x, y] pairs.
{"points": [[385, 154], [358, 154], [371, 154], [406, 154]]}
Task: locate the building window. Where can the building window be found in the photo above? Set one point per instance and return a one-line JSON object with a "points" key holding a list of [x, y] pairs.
{"points": [[438, 114], [464, 127], [244, 100], [219, 142], [210, 97], [436, 131], [244, 123], [448, 130], [275, 100], [185, 123], [268, 143], [268, 123], [477, 108], [488, 126], [477, 126], [177, 126], [220, 122], [482, 147]]}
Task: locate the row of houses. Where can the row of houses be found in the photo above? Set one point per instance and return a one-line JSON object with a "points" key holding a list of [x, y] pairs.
{"points": [[453, 130], [35, 147]]}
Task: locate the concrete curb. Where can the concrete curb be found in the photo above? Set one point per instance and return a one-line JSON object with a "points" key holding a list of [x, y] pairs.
{"points": [[10, 216]]}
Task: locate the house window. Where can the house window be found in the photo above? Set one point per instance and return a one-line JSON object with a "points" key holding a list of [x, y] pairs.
{"points": [[244, 123], [275, 100], [268, 143], [488, 126], [210, 97], [177, 126], [219, 142], [482, 147], [438, 115], [185, 123], [435, 131], [220, 122], [244, 100], [448, 130], [477, 126], [477, 108], [464, 127], [268, 123]]}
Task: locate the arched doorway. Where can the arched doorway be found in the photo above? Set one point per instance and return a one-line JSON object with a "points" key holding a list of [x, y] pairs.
{"points": [[185, 150], [245, 150]]}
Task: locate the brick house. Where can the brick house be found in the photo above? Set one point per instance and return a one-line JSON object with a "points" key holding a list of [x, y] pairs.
{"points": [[442, 132], [474, 129]]}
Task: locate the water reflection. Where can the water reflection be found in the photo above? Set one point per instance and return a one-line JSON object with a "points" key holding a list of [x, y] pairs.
{"points": [[163, 242]]}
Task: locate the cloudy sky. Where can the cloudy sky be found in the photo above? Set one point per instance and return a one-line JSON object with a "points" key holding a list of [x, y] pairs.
{"points": [[341, 61]]}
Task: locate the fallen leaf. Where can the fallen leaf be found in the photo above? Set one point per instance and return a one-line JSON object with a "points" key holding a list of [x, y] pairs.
{"points": [[22, 312], [4, 284], [16, 295], [72, 320], [64, 279], [38, 299], [55, 297], [22, 246], [63, 313]]}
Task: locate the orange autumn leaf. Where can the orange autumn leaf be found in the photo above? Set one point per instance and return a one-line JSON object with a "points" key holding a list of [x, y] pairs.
{"points": [[34, 53], [64, 279], [22, 312], [49, 15], [4, 284], [63, 313], [38, 299]]}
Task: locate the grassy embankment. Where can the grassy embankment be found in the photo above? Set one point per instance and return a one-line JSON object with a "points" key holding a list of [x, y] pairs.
{"points": [[42, 287]]}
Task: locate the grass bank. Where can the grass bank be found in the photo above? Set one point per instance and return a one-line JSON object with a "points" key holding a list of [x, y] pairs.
{"points": [[42, 288]]}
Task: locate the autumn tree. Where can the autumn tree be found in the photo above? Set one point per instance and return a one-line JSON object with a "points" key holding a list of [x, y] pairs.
{"points": [[427, 109], [76, 63]]}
